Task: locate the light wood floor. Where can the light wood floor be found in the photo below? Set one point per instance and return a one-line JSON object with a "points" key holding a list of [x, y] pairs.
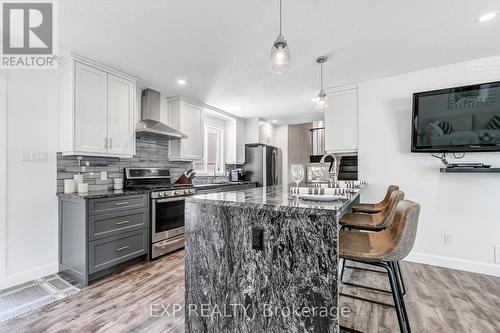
{"points": [[438, 300]]}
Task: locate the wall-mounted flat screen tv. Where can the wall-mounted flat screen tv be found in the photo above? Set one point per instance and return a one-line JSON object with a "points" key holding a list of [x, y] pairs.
{"points": [[461, 119]]}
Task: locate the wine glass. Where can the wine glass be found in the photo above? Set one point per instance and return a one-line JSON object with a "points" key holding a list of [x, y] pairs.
{"points": [[297, 174], [317, 173]]}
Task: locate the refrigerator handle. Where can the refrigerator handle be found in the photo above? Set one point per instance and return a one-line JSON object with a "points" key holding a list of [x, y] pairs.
{"points": [[275, 169]]}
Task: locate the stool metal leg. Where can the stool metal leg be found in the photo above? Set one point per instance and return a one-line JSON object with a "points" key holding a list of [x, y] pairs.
{"points": [[400, 274], [402, 301], [396, 295]]}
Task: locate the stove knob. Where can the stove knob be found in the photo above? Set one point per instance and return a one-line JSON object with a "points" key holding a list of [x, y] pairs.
{"points": [[187, 191], [160, 195], [177, 192]]}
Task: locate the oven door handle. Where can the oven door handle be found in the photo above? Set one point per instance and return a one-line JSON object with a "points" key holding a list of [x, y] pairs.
{"points": [[169, 200]]}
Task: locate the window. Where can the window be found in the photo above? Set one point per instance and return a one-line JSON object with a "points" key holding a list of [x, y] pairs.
{"points": [[213, 154]]}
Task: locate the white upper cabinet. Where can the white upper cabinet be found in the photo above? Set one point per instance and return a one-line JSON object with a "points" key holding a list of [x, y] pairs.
{"points": [[260, 131], [240, 142], [187, 117], [91, 123], [234, 138], [121, 120], [341, 121], [98, 109]]}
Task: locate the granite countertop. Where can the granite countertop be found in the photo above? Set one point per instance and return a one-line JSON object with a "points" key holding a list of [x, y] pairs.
{"points": [[216, 185], [101, 194], [276, 198]]}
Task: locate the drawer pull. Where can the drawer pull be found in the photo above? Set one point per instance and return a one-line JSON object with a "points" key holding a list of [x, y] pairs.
{"points": [[121, 203], [122, 248], [122, 222]]}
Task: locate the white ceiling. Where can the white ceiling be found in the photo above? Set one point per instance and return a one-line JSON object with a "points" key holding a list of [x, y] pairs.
{"points": [[222, 47]]}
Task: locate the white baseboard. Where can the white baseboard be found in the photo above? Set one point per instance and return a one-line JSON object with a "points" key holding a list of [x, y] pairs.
{"points": [[28, 275], [453, 263]]}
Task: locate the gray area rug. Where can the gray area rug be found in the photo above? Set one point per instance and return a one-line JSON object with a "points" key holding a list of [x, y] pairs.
{"points": [[32, 295]]}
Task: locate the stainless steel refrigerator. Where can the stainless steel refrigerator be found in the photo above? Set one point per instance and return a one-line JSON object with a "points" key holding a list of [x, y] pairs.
{"points": [[262, 164]]}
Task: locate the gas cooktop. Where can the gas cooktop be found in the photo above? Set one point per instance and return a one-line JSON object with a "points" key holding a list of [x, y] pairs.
{"points": [[156, 180]]}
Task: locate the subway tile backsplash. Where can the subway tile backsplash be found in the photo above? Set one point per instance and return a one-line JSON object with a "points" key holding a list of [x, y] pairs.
{"points": [[150, 152]]}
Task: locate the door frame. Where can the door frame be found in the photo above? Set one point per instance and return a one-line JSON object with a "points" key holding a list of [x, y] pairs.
{"points": [[3, 173]]}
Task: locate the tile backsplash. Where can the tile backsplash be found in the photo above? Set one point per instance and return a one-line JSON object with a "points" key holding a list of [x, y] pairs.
{"points": [[150, 152]]}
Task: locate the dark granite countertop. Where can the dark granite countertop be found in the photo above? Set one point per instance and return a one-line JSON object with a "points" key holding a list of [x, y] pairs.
{"points": [[101, 194], [217, 185], [276, 198]]}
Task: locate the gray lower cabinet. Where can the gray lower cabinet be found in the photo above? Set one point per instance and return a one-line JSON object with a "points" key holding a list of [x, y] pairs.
{"points": [[98, 236]]}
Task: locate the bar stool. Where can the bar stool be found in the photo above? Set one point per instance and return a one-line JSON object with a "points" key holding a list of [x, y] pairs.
{"points": [[376, 207], [376, 221], [384, 249], [373, 222]]}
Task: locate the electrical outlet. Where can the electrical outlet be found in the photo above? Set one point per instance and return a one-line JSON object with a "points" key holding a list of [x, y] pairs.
{"points": [[104, 175], [497, 253], [448, 239], [35, 156]]}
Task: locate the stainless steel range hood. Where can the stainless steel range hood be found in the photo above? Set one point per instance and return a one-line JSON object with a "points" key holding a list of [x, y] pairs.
{"points": [[150, 115]]}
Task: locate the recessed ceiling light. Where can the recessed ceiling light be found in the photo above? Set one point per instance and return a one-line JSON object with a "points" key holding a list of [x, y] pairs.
{"points": [[487, 17], [274, 121], [181, 82]]}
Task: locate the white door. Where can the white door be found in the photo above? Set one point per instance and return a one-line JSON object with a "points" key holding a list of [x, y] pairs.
{"points": [[121, 117], [341, 121], [90, 109], [191, 119], [240, 142]]}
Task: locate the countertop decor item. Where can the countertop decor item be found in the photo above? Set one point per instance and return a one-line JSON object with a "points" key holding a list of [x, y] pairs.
{"points": [[69, 186], [297, 173], [78, 179], [83, 188], [183, 179], [118, 183], [320, 197]]}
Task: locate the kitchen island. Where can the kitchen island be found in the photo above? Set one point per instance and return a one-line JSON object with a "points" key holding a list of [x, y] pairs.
{"points": [[262, 260]]}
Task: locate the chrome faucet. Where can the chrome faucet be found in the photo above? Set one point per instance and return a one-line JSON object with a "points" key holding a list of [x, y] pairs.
{"points": [[332, 171]]}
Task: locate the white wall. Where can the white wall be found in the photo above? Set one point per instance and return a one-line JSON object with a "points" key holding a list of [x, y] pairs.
{"points": [[31, 206], [299, 138], [3, 171], [463, 205]]}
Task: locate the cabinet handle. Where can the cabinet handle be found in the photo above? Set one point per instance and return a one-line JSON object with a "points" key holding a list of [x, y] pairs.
{"points": [[106, 142], [122, 222], [110, 143], [122, 248], [121, 203]]}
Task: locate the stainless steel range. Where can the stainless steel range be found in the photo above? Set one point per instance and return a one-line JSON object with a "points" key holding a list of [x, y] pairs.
{"points": [[167, 207]]}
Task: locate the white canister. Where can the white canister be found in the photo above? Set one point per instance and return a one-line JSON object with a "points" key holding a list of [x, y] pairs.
{"points": [[69, 186], [118, 183], [83, 188], [78, 179]]}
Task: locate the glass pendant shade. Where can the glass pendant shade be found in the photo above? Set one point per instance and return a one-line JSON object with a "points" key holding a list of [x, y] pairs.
{"points": [[321, 102], [280, 56]]}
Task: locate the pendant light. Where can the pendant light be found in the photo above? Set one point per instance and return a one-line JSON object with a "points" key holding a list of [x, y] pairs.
{"points": [[280, 54], [322, 99]]}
